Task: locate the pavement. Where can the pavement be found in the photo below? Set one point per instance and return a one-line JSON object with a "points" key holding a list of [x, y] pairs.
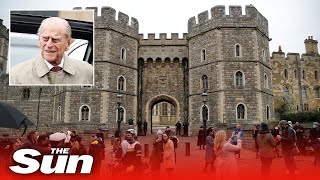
{"points": [[249, 165]]}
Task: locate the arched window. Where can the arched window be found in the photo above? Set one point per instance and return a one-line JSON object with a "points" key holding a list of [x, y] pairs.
{"points": [[121, 83], [121, 114], [286, 90], [303, 74], [241, 111], [316, 75], [237, 50], [304, 92], [84, 113], [164, 108], [316, 92], [205, 82], [239, 78], [26, 93], [286, 73], [263, 55], [172, 110], [266, 84], [268, 113], [203, 55], [204, 113], [295, 73], [123, 54]]}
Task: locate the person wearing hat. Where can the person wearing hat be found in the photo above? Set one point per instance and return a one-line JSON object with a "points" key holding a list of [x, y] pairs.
{"points": [[131, 159], [266, 144], [287, 139], [156, 157], [314, 139], [201, 138]]}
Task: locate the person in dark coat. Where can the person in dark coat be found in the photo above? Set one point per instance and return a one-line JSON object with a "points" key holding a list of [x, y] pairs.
{"points": [[95, 149], [145, 127], [209, 155], [156, 157], [266, 144], [287, 139], [301, 143], [6, 147], [254, 136], [100, 135], [314, 139], [178, 128], [201, 138]]}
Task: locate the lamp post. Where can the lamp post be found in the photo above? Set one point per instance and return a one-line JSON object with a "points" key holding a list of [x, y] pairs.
{"points": [[119, 101], [204, 109], [38, 110]]}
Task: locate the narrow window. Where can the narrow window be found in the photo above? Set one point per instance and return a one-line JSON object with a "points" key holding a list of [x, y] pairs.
{"points": [[121, 83], [268, 113], [85, 113], [205, 83], [239, 78], [286, 73], [237, 50], [240, 111], [123, 54], [203, 54]]}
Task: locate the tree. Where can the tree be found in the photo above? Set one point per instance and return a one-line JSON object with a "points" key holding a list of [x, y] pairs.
{"points": [[287, 104]]}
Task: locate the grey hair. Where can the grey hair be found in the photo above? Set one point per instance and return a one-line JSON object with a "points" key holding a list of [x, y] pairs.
{"points": [[55, 20]]}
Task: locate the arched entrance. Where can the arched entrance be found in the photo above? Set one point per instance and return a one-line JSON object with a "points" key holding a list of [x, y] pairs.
{"points": [[162, 110]]}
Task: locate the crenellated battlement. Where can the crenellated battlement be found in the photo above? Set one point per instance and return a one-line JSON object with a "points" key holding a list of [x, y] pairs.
{"points": [[219, 19], [4, 32], [163, 36], [108, 20], [163, 40]]}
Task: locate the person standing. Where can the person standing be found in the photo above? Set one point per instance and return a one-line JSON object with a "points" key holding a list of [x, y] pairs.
{"points": [[31, 140], [300, 137], [226, 162], [254, 136], [145, 127], [156, 157], [168, 155], [201, 138], [131, 159], [236, 131], [178, 128], [6, 147], [209, 155], [266, 144], [287, 139], [314, 139]]}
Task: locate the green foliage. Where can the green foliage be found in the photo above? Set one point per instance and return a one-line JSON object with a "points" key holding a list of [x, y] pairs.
{"points": [[307, 116], [288, 104]]}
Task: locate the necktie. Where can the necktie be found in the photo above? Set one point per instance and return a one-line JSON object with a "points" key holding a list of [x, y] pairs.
{"points": [[56, 69]]}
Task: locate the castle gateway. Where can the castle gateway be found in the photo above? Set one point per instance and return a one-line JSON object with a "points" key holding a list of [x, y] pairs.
{"points": [[163, 80]]}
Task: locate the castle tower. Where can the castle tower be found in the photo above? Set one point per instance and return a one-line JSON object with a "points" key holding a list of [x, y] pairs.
{"points": [[311, 45], [229, 60], [4, 40]]}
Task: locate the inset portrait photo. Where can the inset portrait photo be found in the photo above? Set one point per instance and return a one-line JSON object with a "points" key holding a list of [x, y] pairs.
{"points": [[51, 48]]}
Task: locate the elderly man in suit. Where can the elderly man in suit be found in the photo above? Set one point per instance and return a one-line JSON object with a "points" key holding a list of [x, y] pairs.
{"points": [[52, 66]]}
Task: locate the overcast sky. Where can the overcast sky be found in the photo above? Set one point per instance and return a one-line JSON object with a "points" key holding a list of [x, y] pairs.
{"points": [[290, 21]]}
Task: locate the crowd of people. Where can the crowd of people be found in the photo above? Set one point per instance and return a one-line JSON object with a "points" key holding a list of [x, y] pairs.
{"points": [[221, 153]]}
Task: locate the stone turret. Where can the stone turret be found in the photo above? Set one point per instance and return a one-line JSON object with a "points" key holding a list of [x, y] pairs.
{"points": [[220, 19], [4, 39], [311, 45]]}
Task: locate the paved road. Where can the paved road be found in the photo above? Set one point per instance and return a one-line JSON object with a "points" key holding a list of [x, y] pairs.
{"points": [[249, 166]]}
